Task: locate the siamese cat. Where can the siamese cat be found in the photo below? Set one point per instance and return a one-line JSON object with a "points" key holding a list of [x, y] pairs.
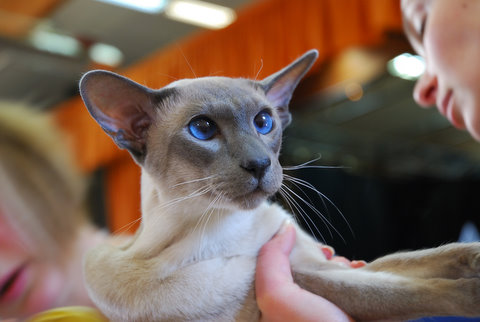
{"points": [[208, 148]]}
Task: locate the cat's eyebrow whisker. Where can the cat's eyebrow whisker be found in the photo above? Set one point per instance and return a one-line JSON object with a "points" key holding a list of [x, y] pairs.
{"points": [[188, 63], [261, 67], [322, 196], [170, 76]]}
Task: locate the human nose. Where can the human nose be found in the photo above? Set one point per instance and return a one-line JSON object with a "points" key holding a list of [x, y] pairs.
{"points": [[425, 91]]}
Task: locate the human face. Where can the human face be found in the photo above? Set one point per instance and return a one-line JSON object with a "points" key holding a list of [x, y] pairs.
{"points": [[29, 282], [447, 34]]}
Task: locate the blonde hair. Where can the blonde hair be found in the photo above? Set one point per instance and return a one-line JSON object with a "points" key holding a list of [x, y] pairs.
{"points": [[41, 191]]}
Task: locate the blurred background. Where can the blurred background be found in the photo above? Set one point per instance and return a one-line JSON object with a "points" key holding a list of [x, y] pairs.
{"points": [[396, 176]]}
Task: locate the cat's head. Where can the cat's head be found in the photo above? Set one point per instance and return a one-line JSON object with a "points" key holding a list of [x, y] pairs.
{"points": [[215, 136]]}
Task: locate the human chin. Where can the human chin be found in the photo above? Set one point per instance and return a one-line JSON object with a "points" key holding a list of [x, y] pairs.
{"points": [[472, 122], [474, 132]]}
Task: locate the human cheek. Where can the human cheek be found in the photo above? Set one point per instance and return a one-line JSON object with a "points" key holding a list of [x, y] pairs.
{"points": [[47, 288], [11, 246]]}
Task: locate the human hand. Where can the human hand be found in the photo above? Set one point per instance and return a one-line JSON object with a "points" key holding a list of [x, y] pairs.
{"points": [[278, 297]]}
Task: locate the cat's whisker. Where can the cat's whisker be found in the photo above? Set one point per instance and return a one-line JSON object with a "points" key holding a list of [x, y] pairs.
{"points": [[286, 197], [308, 185], [208, 214], [291, 179], [307, 165], [199, 192], [304, 214], [194, 180], [209, 211], [301, 213], [205, 211], [320, 215], [199, 221], [198, 224], [300, 166], [310, 203], [297, 184], [126, 227]]}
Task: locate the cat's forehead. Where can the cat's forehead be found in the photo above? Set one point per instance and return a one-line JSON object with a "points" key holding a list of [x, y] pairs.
{"points": [[209, 91]]}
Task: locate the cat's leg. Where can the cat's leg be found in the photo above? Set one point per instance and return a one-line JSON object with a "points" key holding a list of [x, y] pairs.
{"points": [[126, 288], [440, 281], [456, 260], [367, 295]]}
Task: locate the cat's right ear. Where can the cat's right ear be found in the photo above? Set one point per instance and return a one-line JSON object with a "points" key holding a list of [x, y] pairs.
{"points": [[279, 87], [124, 109]]}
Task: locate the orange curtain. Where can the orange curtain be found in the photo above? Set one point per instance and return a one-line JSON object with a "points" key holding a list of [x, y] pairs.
{"points": [[266, 36], [18, 17]]}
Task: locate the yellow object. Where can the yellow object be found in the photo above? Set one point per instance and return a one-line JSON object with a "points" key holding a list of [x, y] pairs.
{"points": [[69, 314]]}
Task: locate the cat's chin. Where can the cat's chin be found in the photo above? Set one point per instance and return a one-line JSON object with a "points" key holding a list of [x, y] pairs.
{"points": [[251, 200]]}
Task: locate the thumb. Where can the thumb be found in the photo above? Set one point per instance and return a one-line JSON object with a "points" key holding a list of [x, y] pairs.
{"points": [[273, 262]]}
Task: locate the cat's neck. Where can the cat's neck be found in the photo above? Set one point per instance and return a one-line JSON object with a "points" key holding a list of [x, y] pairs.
{"points": [[184, 228]]}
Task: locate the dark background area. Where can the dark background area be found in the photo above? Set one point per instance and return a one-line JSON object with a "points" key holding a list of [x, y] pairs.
{"points": [[378, 215]]}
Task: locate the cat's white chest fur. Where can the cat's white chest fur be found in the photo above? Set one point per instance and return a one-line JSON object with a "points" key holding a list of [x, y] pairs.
{"points": [[205, 271], [218, 234]]}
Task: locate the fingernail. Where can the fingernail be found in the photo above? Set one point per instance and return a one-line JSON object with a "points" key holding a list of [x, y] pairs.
{"points": [[287, 223]]}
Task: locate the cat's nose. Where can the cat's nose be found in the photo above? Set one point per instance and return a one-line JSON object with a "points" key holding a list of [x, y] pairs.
{"points": [[257, 167]]}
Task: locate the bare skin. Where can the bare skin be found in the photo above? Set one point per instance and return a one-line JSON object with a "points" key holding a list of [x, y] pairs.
{"points": [[278, 297]]}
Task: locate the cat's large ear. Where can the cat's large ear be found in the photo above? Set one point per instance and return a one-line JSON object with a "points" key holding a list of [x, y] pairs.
{"points": [[279, 87], [123, 108]]}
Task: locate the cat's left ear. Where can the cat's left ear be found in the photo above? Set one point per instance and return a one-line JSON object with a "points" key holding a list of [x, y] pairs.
{"points": [[279, 87]]}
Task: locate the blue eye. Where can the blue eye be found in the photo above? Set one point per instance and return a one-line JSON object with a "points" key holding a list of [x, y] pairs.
{"points": [[202, 128], [263, 122]]}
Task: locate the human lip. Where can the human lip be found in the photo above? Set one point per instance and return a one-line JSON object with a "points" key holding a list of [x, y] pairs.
{"points": [[13, 284]]}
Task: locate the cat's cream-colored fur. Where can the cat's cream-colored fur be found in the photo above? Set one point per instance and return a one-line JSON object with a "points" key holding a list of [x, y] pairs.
{"points": [[205, 214]]}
